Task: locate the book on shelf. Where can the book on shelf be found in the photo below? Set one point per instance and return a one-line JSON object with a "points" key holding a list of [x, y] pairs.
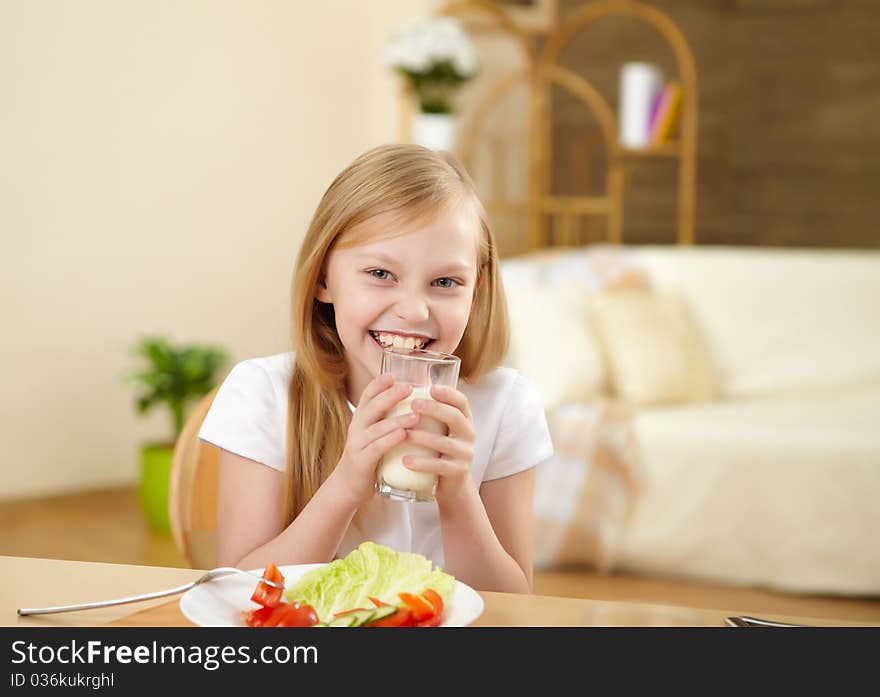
{"points": [[649, 108], [667, 114], [640, 83], [655, 105]]}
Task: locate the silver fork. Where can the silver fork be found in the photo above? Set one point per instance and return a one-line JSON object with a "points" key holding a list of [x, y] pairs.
{"points": [[745, 621], [208, 576]]}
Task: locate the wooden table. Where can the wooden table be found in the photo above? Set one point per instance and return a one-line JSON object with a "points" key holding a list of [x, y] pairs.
{"points": [[28, 582]]}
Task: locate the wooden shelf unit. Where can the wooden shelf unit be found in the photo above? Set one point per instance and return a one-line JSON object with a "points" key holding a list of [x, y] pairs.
{"points": [[541, 209]]}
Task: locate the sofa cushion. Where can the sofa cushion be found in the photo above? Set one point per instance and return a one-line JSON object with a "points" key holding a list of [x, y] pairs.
{"points": [[552, 339], [779, 319], [653, 350], [779, 492], [551, 342]]}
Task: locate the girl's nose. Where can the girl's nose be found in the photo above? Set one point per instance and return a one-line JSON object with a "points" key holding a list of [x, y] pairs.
{"points": [[412, 308]]}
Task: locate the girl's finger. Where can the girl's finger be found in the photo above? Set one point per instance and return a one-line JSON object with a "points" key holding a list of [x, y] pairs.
{"points": [[454, 418], [382, 445], [443, 468], [378, 384], [453, 397], [451, 447], [375, 408], [385, 426]]}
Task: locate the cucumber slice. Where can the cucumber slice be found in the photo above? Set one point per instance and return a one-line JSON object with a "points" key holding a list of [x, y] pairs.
{"points": [[347, 620], [359, 618], [382, 612]]}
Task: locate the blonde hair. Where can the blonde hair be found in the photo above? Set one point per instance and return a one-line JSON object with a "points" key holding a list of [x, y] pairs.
{"points": [[411, 184]]}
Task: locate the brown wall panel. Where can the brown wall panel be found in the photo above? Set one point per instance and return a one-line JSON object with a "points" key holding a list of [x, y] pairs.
{"points": [[789, 121]]}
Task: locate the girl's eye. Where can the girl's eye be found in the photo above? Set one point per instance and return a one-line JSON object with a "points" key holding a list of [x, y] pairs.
{"points": [[380, 274], [447, 282]]}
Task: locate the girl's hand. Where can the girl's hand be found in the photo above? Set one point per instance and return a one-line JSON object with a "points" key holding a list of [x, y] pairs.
{"points": [[371, 435], [456, 450]]}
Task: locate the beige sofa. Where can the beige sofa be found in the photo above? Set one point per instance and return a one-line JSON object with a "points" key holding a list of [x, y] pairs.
{"points": [[716, 411]]}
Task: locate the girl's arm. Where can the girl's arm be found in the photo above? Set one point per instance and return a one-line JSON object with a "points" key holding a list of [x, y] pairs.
{"points": [[250, 528], [487, 534]]}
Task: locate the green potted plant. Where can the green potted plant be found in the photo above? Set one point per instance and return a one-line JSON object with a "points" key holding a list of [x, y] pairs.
{"points": [[174, 376]]}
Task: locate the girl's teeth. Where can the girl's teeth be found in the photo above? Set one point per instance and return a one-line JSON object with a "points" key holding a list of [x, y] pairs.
{"points": [[389, 340]]}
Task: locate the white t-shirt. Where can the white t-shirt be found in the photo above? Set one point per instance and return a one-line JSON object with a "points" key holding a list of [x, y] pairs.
{"points": [[249, 418]]}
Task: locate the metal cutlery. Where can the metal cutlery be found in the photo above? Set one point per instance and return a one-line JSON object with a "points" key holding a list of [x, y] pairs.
{"points": [[208, 576], [745, 621]]}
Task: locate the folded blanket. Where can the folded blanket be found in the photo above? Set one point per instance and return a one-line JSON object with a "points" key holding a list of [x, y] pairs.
{"points": [[586, 492]]}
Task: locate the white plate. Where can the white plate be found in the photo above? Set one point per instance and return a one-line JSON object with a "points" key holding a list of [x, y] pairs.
{"points": [[219, 603]]}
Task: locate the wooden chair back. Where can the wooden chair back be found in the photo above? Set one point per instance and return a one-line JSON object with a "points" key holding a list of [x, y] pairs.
{"points": [[192, 498]]}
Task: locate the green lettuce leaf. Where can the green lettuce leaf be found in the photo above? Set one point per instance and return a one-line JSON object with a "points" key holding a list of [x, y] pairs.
{"points": [[370, 570]]}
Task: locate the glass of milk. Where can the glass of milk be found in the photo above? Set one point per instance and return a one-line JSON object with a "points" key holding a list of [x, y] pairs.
{"points": [[421, 369]]}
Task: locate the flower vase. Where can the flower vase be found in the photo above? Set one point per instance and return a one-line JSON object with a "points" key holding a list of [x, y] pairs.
{"points": [[435, 131]]}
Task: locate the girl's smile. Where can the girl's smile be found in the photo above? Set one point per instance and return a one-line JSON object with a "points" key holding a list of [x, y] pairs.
{"points": [[412, 290], [388, 339]]}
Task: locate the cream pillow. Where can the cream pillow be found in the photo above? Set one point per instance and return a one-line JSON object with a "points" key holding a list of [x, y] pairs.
{"points": [[652, 347], [552, 342]]}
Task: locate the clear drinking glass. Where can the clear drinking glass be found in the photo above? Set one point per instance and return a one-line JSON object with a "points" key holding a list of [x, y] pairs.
{"points": [[421, 369]]}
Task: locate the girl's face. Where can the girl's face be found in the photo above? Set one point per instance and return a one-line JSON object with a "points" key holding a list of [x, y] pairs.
{"points": [[413, 290]]}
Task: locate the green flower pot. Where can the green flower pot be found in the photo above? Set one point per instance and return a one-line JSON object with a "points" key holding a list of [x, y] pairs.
{"points": [[155, 479]]}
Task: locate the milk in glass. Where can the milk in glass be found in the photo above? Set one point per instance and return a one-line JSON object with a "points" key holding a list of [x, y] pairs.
{"points": [[392, 471]]}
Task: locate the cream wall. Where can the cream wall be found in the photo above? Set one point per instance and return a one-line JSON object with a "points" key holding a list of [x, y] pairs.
{"points": [[158, 164]]}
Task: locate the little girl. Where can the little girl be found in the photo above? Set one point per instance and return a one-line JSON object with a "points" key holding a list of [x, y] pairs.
{"points": [[398, 251]]}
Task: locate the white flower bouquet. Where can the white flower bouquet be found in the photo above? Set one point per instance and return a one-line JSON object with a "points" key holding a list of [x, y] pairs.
{"points": [[437, 57]]}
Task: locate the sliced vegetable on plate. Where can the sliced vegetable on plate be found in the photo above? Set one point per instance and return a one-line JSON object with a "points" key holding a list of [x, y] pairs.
{"points": [[266, 595], [292, 615], [373, 586], [371, 570], [274, 611], [413, 611]]}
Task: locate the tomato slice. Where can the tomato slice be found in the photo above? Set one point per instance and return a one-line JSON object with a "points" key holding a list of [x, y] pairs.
{"points": [[277, 613], [300, 616], [265, 595], [433, 621], [434, 598], [421, 608], [258, 617], [292, 615], [402, 618]]}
